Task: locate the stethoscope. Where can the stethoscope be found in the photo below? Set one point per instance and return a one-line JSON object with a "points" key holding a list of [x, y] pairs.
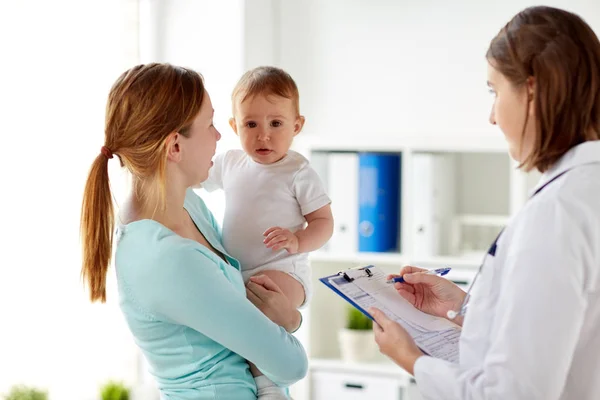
{"points": [[491, 252]]}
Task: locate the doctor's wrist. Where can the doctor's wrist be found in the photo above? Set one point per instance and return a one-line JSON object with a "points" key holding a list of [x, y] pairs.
{"points": [[408, 360]]}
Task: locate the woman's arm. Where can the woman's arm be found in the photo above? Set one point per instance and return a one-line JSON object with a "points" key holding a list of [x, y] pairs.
{"points": [[191, 290]]}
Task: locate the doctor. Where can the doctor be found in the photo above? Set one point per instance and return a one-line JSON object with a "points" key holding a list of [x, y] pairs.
{"points": [[532, 330]]}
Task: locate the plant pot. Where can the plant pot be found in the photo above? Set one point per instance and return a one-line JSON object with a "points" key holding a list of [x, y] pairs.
{"points": [[145, 391], [357, 345]]}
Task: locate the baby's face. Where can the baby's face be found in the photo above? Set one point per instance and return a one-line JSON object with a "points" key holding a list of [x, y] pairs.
{"points": [[266, 127]]}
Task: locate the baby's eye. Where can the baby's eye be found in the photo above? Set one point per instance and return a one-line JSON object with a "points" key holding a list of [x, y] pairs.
{"points": [[492, 91], [251, 124], [276, 124]]}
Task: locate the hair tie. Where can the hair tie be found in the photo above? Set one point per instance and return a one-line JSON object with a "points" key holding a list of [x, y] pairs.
{"points": [[106, 152]]}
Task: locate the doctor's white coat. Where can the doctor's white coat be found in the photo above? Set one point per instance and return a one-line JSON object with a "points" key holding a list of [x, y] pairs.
{"points": [[532, 329]]}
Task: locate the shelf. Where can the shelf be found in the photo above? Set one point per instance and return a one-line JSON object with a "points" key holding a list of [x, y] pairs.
{"points": [[387, 368], [482, 220], [360, 258], [471, 261], [422, 143]]}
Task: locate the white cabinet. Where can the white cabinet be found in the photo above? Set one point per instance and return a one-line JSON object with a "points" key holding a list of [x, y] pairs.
{"points": [[340, 385], [336, 380]]}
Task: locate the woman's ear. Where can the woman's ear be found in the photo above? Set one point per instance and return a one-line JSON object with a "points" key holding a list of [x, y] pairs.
{"points": [[233, 125], [299, 124], [173, 147]]}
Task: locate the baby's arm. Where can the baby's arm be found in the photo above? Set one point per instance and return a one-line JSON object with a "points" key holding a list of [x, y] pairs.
{"points": [[313, 237], [318, 230], [315, 206]]}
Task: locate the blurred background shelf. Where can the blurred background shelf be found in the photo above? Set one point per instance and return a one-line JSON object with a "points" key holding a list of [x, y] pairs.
{"points": [[455, 197]]}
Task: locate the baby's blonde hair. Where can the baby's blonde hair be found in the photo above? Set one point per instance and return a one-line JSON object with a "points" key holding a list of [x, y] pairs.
{"points": [[266, 81]]}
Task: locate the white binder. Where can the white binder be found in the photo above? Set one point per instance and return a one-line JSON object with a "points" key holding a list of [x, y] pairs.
{"points": [[433, 202], [342, 181]]}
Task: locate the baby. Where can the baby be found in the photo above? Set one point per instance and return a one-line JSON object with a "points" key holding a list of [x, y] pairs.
{"points": [[276, 210]]}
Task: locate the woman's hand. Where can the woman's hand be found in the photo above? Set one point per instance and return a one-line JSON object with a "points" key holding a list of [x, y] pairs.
{"points": [[394, 341], [277, 238], [270, 300], [431, 294]]}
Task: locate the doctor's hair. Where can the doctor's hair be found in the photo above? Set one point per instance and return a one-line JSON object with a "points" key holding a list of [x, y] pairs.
{"points": [[561, 53], [146, 105], [266, 81]]}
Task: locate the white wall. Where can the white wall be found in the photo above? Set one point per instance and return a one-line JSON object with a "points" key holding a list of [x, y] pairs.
{"points": [[206, 36], [59, 59], [392, 68]]}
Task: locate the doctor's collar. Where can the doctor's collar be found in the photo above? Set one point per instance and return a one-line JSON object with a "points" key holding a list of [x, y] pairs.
{"points": [[582, 154]]}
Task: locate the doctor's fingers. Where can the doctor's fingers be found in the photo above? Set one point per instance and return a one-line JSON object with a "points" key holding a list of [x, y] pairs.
{"points": [[410, 269], [404, 286], [380, 317], [408, 296], [378, 331], [416, 278]]}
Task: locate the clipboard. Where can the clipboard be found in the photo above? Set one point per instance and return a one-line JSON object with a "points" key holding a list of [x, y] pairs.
{"points": [[366, 286], [344, 275]]}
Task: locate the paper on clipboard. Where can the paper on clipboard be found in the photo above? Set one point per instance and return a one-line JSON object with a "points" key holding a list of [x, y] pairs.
{"points": [[436, 336]]}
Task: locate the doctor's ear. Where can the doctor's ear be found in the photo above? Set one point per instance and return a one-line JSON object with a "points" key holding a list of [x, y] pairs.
{"points": [[530, 87]]}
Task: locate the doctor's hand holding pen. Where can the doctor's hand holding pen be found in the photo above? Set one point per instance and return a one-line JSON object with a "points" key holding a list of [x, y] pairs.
{"points": [[429, 293]]}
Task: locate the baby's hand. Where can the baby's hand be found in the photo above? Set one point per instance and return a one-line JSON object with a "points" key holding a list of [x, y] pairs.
{"points": [[279, 238]]}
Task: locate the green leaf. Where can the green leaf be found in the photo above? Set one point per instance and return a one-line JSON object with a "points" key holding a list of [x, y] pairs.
{"points": [[23, 392], [114, 391], [357, 320]]}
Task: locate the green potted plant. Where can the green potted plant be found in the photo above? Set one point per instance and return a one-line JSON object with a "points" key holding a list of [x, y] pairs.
{"points": [[113, 390], [356, 339], [23, 392]]}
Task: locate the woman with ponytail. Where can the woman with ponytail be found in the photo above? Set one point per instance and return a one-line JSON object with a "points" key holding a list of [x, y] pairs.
{"points": [[182, 295]]}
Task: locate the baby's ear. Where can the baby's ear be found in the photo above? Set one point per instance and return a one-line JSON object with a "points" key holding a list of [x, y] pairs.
{"points": [[298, 124], [233, 125]]}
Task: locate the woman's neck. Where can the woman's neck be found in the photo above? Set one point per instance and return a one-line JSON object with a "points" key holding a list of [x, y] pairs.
{"points": [[143, 203]]}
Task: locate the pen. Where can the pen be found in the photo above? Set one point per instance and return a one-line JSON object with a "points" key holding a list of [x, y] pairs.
{"points": [[439, 271]]}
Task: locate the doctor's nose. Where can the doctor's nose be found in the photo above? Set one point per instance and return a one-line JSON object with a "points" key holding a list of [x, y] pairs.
{"points": [[492, 117]]}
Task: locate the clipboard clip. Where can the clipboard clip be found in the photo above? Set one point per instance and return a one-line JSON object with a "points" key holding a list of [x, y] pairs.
{"points": [[348, 278]]}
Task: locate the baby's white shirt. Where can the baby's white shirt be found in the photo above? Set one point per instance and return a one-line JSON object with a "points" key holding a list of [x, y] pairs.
{"points": [[261, 196]]}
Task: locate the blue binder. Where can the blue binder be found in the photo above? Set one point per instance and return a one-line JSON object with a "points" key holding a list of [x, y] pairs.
{"points": [[379, 202]]}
